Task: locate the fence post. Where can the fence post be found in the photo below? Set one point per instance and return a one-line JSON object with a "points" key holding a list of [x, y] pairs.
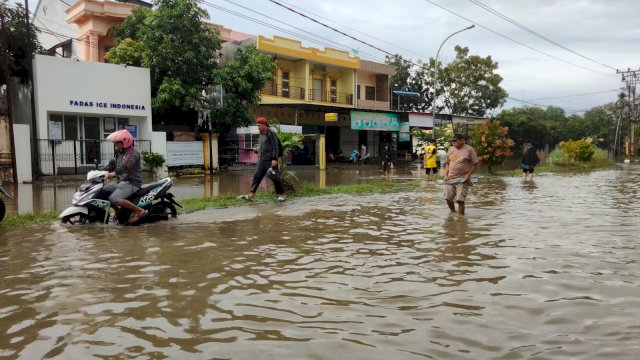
{"points": [[75, 157], [53, 156]]}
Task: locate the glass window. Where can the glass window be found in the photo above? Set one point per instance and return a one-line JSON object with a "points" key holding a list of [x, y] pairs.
{"points": [[70, 127], [109, 124], [285, 84], [122, 122], [358, 92], [369, 93]]}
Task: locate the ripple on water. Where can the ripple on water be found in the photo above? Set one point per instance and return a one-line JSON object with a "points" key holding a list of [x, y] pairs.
{"points": [[532, 271]]}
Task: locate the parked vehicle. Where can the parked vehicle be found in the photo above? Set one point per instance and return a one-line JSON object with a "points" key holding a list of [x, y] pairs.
{"points": [[3, 208], [90, 203], [357, 156]]}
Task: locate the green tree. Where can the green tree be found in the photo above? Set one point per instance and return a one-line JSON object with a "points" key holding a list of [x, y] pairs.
{"points": [[16, 33], [471, 86], [242, 78], [527, 126], [491, 143], [403, 71], [178, 46]]}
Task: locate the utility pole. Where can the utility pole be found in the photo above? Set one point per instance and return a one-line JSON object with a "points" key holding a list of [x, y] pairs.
{"points": [[35, 152], [631, 78], [7, 78]]}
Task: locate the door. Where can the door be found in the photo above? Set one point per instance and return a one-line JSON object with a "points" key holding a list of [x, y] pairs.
{"points": [[91, 136], [317, 89]]}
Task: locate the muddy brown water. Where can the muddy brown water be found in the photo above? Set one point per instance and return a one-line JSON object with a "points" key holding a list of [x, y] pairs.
{"points": [[539, 271]]}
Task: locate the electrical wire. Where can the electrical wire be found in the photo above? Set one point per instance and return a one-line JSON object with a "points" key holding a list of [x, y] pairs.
{"points": [[576, 95], [506, 18], [352, 29], [328, 43], [515, 41]]}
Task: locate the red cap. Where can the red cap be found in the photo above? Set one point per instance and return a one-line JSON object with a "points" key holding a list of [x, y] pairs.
{"points": [[262, 121]]}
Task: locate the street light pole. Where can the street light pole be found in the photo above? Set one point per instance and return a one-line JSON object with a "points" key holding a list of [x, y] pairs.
{"points": [[435, 72]]}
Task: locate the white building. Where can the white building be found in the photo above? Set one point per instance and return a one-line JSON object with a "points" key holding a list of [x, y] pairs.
{"points": [[78, 104]]}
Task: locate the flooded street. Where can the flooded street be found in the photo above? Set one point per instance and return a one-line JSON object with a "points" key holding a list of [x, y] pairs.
{"points": [[546, 271]]}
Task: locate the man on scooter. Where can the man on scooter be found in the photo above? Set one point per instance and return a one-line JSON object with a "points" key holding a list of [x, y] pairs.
{"points": [[125, 167]]}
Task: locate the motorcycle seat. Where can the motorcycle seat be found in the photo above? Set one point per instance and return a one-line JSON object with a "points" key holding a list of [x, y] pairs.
{"points": [[148, 187]]}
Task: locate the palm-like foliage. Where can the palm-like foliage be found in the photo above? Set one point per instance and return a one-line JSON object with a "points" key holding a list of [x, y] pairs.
{"points": [[289, 141]]}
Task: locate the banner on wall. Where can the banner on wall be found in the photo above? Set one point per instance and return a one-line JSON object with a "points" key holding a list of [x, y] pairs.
{"points": [[361, 120], [182, 153]]}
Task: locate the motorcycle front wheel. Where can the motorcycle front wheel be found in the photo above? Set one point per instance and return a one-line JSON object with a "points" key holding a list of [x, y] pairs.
{"points": [[77, 218]]}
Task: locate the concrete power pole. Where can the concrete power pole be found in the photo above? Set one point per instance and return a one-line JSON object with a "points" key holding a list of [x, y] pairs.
{"points": [[631, 78]]}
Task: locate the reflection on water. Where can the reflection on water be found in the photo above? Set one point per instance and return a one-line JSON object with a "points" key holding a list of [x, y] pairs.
{"points": [[547, 272]]}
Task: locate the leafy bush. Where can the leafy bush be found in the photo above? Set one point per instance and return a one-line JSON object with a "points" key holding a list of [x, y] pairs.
{"points": [[153, 160], [559, 158], [190, 171], [491, 143], [579, 150], [289, 180]]}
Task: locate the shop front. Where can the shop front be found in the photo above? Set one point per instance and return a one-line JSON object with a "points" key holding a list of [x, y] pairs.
{"points": [[373, 130], [78, 104]]}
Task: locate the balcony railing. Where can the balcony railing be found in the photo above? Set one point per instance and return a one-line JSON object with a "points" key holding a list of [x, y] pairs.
{"points": [[291, 92], [331, 96], [298, 93]]}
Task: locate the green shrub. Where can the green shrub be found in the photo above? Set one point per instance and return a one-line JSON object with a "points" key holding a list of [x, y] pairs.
{"points": [[289, 180], [190, 171], [560, 158], [153, 160], [578, 150]]}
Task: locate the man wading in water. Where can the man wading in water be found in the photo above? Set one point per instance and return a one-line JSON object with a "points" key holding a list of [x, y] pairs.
{"points": [[462, 161]]}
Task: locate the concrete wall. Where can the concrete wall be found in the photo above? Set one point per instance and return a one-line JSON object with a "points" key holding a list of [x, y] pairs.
{"points": [[50, 16], [23, 152], [159, 145]]}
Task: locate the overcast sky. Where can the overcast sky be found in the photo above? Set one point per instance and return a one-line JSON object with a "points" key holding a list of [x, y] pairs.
{"points": [[606, 31]]}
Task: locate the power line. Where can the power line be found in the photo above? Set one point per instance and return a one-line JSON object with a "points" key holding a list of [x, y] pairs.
{"points": [[332, 28], [504, 17], [349, 36], [513, 40], [576, 95], [329, 43], [352, 29]]}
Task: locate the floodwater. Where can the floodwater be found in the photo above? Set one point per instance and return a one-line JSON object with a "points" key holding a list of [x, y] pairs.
{"points": [[48, 195], [539, 271]]}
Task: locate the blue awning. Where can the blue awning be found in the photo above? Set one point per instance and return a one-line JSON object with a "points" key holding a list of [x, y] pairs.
{"points": [[398, 92]]}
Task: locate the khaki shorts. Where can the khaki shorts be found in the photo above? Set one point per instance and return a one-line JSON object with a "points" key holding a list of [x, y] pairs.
{"points": [[456, 192]]}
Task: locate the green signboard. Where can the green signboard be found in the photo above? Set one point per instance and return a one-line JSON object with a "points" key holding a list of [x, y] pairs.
{"points": [[405, 132], [361, 120]]}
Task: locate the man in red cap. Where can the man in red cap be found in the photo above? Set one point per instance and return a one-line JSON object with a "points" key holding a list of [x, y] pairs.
{"points": [[267, 161]]}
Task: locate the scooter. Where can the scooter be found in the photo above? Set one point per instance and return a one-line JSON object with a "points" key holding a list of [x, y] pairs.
{"points": [[3, 208], [90, 203], [357, 156]]}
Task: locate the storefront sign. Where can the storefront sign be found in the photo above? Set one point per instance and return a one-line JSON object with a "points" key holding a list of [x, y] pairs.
{"points": [[331, 117], [421, 120], [466, 120], [405, 134], [181, 153], [374, 121], [105, 105]]}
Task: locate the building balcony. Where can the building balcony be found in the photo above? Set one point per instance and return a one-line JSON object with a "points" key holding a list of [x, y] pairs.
{"points": [[373, 105], [276, 93], [290, 92]]}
